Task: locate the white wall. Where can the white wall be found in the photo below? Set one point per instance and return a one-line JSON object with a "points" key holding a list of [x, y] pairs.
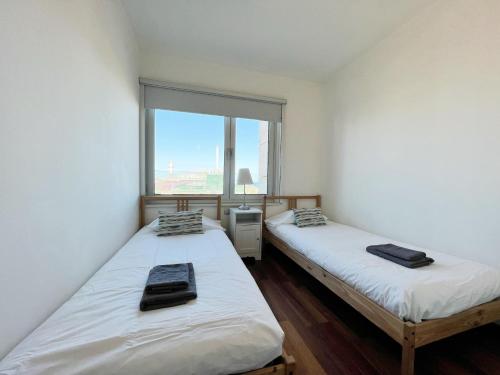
{"points": [[68, 152], [303, 114], [413, 133]]}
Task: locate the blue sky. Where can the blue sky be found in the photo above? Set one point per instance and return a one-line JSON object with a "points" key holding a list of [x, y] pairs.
{"points": [[189, 140]]}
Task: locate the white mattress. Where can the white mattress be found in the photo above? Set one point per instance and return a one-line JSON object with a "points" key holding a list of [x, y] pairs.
{"points": [[229, 328], [446, 287]]}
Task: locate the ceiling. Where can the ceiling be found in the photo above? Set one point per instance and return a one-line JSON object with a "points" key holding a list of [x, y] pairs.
{"points": [[298, 38]]}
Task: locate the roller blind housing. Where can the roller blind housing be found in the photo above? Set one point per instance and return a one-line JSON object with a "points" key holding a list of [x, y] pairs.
{"points": [[189, 99]]}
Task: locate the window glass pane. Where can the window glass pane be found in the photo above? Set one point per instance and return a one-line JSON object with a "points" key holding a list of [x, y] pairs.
{"points": [[189, 153], [251, 151]]}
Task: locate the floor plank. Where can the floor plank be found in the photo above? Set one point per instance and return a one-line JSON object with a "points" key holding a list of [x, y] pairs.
{"points": [[307, 363], [327, 336]]}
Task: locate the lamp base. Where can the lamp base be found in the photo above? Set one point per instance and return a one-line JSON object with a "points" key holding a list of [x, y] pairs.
{"points": [[243, 207]]}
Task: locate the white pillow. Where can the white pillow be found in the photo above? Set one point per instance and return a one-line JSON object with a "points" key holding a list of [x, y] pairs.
{"points": [[208, 224], [286, 217]]}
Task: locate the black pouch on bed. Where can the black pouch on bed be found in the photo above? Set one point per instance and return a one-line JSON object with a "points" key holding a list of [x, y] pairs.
{"points": [[160, 300]]}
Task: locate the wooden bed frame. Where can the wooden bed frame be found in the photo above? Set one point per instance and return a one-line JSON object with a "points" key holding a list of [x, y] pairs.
{"points": [[182, 203], [409, 335], [284, 365]]}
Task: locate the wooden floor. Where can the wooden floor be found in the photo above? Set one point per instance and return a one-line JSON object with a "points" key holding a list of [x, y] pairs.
{"points": [[327, 336]]}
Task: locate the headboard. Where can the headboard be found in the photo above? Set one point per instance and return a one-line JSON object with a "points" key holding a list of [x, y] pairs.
{"points": [[182, 203], [292, 201]]}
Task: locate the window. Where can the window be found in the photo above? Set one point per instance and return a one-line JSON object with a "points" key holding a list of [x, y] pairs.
{"points": [[189, 153], [194, 153], [195, 141], [251, 151]]}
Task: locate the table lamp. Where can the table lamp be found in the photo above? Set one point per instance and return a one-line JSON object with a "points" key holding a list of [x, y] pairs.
{"points": [[244, 178]]}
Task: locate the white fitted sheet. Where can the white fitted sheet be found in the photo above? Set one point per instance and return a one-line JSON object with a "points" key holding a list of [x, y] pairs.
{"points": [[229, 328], [446, 287]]}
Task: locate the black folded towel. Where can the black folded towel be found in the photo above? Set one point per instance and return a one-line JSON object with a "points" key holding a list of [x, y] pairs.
{"points": [[399, 252], [168, 278], [406, 263], [158, 301]]}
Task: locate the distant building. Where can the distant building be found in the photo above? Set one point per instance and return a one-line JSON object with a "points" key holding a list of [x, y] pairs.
{"points": [[217, 151], [263, 152]]}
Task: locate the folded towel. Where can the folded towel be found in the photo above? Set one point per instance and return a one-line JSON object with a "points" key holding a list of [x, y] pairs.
{"points": [[158, 301], [399, 252], [406, 263], [168, 278]]}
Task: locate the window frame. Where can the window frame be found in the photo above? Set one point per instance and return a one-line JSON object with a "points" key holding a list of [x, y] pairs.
{"points": [[228, 195]]}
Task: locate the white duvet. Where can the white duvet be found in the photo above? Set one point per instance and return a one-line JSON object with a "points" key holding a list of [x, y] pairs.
{"points": [[446, 287], [229, 328]]}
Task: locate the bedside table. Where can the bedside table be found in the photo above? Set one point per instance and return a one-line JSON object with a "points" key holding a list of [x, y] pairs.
{"points": [[245, 230]]}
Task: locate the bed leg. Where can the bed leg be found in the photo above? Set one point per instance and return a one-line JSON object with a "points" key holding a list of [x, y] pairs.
{"points": [[408, 354], [289, 363]]}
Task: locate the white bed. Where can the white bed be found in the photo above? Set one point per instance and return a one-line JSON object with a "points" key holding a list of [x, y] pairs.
{"points": [[448, 286], [229, 328]]}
